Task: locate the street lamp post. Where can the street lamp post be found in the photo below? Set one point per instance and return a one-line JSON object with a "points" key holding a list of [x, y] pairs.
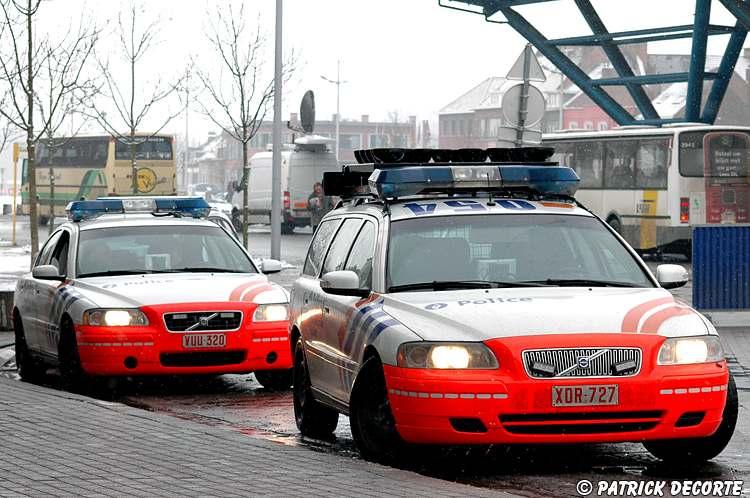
{"points": [[338, 83], [276, 169]]}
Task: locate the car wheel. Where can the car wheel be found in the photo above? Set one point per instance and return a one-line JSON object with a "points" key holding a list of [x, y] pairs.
{"points": [[696, 450], [287, 228], [275, 380], [313, 419], [371, 419], [72, 376], [29, 368]]}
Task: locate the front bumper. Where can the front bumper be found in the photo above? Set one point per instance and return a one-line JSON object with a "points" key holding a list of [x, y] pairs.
{"points": [[508, 406], [153, 350]]}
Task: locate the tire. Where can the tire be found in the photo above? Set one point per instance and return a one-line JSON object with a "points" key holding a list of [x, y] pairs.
{"points": [[313, 419], [287, 228], [43, 220], [615, 223], [274, 380], [373, 426], [72, 376], [29, 368], [697, 450]]}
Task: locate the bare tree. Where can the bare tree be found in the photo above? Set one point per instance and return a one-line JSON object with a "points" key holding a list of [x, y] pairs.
{"points": [[132, 109], [19, 70], [237, 97]]}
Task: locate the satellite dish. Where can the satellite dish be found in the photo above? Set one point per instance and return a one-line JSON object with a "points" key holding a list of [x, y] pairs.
{"points": [[307, 111]]}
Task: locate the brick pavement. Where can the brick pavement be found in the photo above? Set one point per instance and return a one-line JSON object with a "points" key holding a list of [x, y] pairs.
{"points": [[59, 444]]}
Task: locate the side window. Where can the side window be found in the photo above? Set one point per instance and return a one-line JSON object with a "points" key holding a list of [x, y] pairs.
{"points": [[318, 247], [59, 257], [653, 161], [44, 254], [620, 160], [588, 164], [360, 258], [341, 244]]}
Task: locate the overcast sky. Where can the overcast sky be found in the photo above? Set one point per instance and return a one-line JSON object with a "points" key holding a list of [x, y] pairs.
{"points": [[410, 56]]}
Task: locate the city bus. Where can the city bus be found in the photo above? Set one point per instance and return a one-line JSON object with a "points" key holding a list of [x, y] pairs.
{"points": [[653, 184], [95, 166]]}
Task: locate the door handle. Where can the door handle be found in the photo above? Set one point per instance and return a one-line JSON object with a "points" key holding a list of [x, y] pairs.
{"points": [[326, 309]]}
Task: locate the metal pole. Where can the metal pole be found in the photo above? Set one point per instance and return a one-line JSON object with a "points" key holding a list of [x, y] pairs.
{"points": [[523, 108], [338, 107], [276, 173], [187, 139], [15, 190], [562, 100]]}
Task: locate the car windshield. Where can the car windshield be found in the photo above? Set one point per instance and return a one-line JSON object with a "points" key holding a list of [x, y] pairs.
{"points": [[508, 250], [159, 249]]}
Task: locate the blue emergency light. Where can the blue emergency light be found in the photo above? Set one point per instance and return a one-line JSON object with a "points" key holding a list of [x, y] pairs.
{"points": [[414, 180], [196, 207]]}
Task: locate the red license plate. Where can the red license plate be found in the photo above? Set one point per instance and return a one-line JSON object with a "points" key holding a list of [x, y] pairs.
{"points": [[593, 395]]}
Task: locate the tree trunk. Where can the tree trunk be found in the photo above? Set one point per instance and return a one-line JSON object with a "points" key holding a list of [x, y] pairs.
{"points": [[133, 163], [244, 192], [30, 149], [51, 189]]}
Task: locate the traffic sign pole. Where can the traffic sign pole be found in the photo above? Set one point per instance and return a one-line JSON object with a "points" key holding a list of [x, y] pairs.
{"points": [[522, 108]]}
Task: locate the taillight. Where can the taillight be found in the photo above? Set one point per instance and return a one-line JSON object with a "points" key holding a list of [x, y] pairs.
{"points": [[287, 202], [684, 210]]}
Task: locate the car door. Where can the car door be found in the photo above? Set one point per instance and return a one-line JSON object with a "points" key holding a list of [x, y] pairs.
{"points": [[50, 294], [31, 306], [349, 317], [335, 313], [307, 298]]}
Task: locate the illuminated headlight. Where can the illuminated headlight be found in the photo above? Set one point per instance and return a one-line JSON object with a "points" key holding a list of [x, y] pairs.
{"points": [[441, 355], [115, 318], [686, 350], [271, 313]]}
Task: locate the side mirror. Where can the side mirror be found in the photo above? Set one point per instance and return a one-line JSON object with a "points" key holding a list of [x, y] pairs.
{"points": [[671, 276], [47, 272], [342, 283], [270, 266]]}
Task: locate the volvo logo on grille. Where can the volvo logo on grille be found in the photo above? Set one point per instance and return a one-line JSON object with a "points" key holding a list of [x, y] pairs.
{"points": [[202, 322], [583, 362]]}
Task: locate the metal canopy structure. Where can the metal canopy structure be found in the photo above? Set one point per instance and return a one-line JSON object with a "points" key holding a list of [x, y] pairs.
{"points": [[610, 43]]}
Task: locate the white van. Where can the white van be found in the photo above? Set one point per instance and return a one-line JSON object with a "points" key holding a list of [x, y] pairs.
{"points": [[301, 168]]}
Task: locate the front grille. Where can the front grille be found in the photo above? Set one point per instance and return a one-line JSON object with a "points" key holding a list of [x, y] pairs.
{"points": [[582, 362], [580, 422], [201, 321], [202, 359]]}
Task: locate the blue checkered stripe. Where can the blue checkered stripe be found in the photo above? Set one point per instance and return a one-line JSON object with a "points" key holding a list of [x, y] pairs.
{"points": [[65, 296], [365, 325]]}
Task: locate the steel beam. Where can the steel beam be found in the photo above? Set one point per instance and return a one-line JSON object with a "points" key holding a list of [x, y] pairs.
{"points": [[725, 72], [697, 60], [650, 79], [641, 35], [739, 9]]}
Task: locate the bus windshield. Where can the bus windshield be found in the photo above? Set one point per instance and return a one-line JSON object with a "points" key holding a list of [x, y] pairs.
{"points": [[146, 148], [714, 154]]}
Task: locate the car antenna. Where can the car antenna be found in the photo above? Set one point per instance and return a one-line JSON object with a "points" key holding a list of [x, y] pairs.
{"points": [[490, 202]]}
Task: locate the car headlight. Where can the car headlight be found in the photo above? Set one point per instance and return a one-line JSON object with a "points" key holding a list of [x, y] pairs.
{"points": [[443, 355], [115, 317], [271, 313], [686, 350]]}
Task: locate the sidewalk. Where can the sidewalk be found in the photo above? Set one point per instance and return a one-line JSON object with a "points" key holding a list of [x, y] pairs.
{"points": [[60, 444]]}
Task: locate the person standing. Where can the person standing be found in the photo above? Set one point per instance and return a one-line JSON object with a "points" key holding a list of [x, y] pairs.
{"points": [[319, 204]]}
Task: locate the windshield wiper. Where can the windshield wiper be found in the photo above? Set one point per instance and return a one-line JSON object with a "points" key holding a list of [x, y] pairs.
{"points": [[460, 284], [582, 282], [113, 273], [200, 270]]}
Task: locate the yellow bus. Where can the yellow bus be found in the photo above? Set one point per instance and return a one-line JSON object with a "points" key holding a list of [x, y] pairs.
{"points": [[91, 167]]}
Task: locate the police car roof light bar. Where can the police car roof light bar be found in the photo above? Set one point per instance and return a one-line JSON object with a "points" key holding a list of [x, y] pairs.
{"points": [[390, 156], [405, 181], [197, 207]]}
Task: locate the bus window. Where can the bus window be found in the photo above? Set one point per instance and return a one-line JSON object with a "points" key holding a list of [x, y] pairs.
{"points": [[148, 148], [651, 164], [588, 163], [723, 145], [620, 159]]}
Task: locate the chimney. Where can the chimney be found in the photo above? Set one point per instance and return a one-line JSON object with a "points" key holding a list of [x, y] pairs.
{"points": [[293, 117], [365, 118]]}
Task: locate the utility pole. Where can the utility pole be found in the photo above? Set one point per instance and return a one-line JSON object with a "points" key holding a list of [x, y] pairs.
{"points": [[276, 172], [186, 159], [338, 84]]}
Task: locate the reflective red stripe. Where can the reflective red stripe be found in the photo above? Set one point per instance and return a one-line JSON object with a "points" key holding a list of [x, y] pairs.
{"points": [[633, 317], [652, 324]]}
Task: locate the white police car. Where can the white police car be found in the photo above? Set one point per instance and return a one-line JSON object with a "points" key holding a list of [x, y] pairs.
{"points": [[452, 303], [149, 286]]}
